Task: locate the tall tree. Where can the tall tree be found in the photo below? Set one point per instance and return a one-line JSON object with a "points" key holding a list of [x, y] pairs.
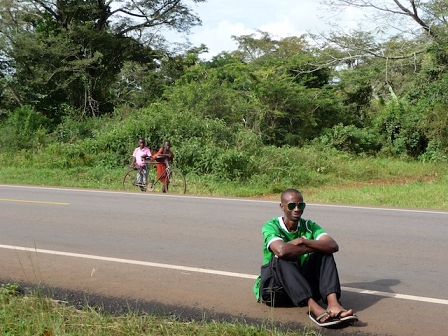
{"points": [[387, 29], [425, 15], [71, 51], [402, 48]]}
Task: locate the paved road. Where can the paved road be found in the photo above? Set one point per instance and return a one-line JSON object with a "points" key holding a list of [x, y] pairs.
{"points": [[204, 253]]}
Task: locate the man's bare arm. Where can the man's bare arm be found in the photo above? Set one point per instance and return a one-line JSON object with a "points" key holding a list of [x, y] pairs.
{"points": [[299, 246]]}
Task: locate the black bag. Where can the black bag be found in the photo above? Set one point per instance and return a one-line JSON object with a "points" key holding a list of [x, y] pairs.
{"points": [[271, 290]]}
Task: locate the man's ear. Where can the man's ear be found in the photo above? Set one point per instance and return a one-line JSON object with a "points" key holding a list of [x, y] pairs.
{"points": [[281, 206]]}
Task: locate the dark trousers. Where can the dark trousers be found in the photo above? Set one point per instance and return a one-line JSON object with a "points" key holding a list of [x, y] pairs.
{"points": [[287, 282]]}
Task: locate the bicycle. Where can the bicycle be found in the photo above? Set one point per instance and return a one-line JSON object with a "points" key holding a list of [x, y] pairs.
{"points": [[172, 179]]}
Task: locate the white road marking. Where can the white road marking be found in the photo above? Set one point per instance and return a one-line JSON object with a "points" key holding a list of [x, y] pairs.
{"points": [[396, 295], [224, 199], [129, 261], [214, 272]]}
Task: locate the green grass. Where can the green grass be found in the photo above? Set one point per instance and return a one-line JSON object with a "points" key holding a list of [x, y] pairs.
{"points": [[34, 314], [374, 182], [412, 194]]}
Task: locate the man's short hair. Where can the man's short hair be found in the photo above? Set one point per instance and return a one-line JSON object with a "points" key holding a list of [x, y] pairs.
{"points": [[288, 191]]}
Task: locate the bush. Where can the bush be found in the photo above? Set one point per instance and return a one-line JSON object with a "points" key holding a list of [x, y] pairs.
{"points": [[434, 153], [402, 129], [73, 129], [351, 139], [201, 145], [24, 129]]}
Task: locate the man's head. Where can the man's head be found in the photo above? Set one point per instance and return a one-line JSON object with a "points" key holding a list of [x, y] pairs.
{"points": [[292, 204], [167, 144], [141, 142]]}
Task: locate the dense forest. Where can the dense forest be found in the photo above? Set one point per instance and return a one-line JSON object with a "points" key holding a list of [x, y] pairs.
{"points": [[84, 79]]}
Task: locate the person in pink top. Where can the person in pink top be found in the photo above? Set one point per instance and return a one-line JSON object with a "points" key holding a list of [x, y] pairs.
{"points": [[141, 153]]}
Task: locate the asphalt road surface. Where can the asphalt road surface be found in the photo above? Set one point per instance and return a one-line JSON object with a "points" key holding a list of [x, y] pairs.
{"points": [[203, 254]]}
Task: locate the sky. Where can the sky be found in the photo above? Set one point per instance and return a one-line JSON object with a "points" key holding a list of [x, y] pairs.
{"points": [[223, 18]]}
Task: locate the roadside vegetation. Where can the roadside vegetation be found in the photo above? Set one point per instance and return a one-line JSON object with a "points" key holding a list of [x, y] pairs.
{"points": [[31, 314], [217, 159]]}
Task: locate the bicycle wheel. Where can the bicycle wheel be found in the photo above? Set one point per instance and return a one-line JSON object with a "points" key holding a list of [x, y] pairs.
{"points": [[130, 181], [175, 182], [152, 180]]}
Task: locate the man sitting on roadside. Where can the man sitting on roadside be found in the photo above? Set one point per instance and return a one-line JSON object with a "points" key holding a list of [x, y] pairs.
{"points": [[299, 268]]}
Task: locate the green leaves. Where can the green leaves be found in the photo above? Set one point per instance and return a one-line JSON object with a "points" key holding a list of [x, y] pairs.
{"points": [[72, 52], [24, 129]]}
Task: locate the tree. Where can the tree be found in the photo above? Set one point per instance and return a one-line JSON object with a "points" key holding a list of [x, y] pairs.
{"points": [[396, 32], [400, 55], [425, 14], [268, 86], [71, 51], [142, 84]]}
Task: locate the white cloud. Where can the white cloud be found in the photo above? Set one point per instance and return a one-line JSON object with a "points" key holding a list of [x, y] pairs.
{"points": [[224, 18], [283, 18], [218, 37], [281, 28]]}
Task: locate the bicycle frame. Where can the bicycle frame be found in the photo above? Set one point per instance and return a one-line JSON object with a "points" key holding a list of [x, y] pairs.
{"points": [[170, 178], [165, 172]]}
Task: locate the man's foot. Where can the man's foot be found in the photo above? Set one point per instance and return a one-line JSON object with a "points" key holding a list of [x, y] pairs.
{"points": [[334, 306], [346, 318], [324, 319], [342, 314], [321, 316]]}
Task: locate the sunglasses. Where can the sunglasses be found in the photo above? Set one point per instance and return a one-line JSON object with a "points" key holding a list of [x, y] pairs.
{"points": [[292, 206]]}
